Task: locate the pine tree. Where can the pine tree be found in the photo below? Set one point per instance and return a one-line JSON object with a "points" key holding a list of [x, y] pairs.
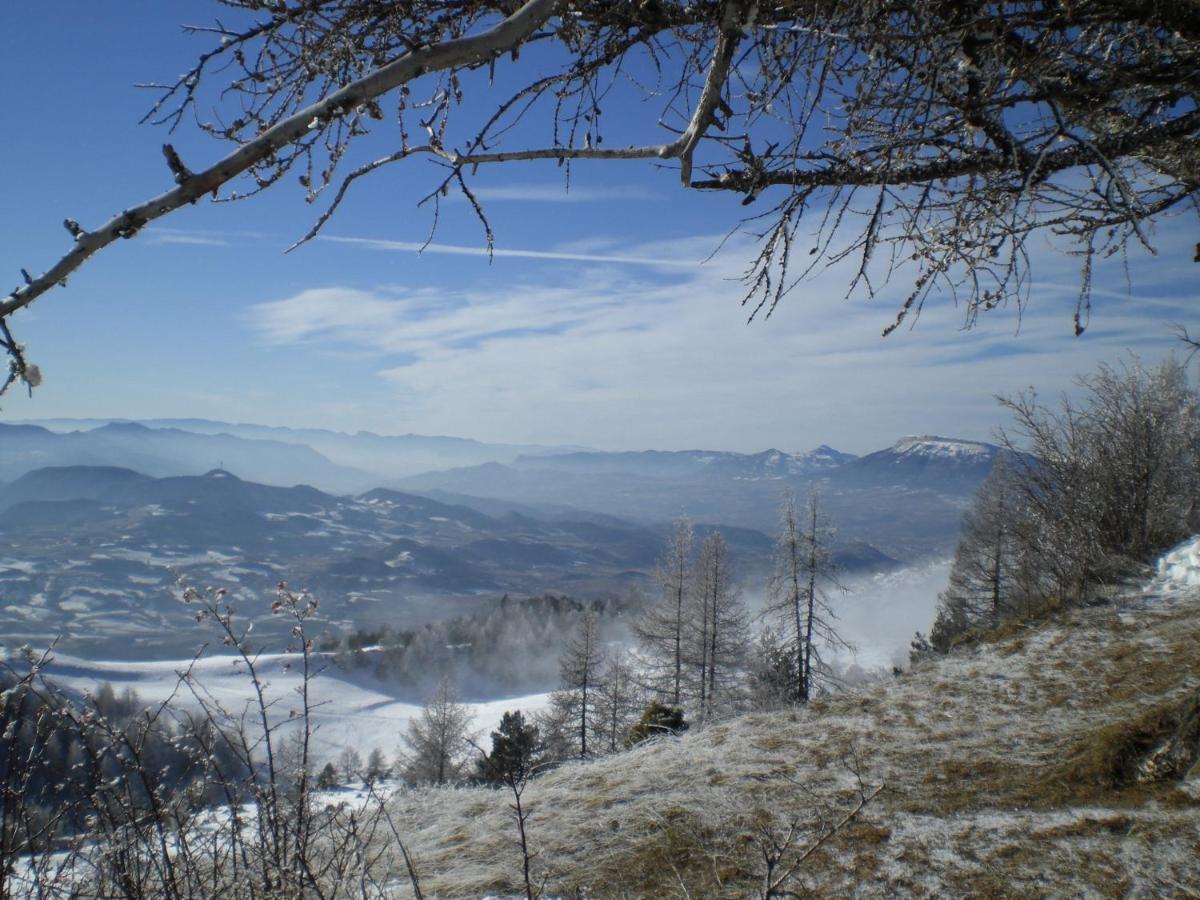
{"points": [[772, 676], [516, 751], [377, 766], [656, 720], [327, 778]]}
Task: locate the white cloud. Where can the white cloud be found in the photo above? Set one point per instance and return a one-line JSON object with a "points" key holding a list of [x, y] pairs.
{"points": [[160, 234], [556, 193], [199, 240], [618, 356], [478, 250]]}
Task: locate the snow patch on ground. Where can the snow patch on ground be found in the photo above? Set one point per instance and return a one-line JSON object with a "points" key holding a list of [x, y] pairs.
{"points": [[1178, 569]]}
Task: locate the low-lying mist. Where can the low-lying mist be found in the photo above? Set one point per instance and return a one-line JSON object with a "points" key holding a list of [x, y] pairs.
{"points": [[879, 613]]}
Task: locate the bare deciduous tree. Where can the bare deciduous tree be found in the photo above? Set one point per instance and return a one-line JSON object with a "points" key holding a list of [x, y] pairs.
{"points": [[922, 139], [1113, 476], [798, 589], [619, 701], [661, 630], [436, 742], [103, 798], [581, 665], [1111, 479], [717, 629]]}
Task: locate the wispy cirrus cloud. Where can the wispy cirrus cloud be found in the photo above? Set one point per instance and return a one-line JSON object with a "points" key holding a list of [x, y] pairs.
{"points": [[196, 240], [613, 355], [557, 193], [159, 234], [507, 252]]}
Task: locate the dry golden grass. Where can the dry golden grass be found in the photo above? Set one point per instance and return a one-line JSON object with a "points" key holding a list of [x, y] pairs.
{"points": [[1006, 767]]}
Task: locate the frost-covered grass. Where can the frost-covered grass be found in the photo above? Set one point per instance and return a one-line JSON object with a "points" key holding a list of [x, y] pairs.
{"points": [[994, 766], [988, 757]]}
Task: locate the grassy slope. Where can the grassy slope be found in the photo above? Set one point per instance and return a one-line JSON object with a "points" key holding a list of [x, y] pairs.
{"points": [[997, 763]]}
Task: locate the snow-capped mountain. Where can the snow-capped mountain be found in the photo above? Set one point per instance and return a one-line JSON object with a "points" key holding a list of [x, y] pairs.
{"points": [[927, 461], [944, 448]]}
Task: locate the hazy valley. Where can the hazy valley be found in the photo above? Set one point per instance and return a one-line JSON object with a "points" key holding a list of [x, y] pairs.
{"points": [[100, 523]]}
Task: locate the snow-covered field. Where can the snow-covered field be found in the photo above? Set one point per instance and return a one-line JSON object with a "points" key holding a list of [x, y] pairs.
{"points": [[878, 615], [350, 709]]}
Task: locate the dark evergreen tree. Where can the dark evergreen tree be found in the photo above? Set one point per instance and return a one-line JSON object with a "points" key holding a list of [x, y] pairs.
{"points": [[377, 766], [516, 752], [773, 674], [327, 778]]}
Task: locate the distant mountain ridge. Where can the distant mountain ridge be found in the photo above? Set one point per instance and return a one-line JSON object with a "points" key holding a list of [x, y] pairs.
{"points": [[350, 463], [906, 499], [370, 458], [940, 463], [162, 452]]}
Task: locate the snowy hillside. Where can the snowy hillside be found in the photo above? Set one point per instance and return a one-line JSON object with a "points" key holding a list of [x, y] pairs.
{"points": [[1007, 769], [351, 710]]}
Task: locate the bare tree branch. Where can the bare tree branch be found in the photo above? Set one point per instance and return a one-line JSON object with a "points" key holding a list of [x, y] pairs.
{"points": [[915, 139], [464, 51]]}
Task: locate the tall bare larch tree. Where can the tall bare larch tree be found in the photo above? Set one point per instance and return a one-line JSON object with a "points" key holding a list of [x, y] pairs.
{"points": [[581, 667], [717, 629], [662, 629], [436, 745], [799, 594]]}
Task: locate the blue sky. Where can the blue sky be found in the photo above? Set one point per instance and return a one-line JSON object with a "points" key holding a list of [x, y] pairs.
{"points": [[598, 322]]}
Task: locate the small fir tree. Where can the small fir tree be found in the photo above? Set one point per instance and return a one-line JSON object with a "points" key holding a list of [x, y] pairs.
{"points": [[516, 751]]}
